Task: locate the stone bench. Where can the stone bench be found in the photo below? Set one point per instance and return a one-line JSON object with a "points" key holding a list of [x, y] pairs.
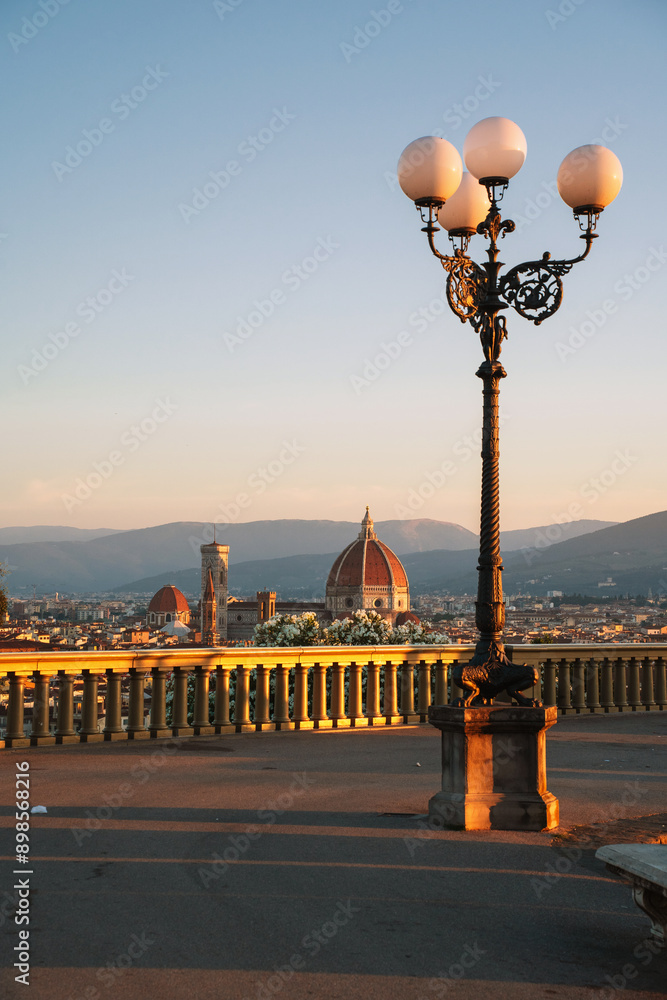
{"points": [[644, 866]]}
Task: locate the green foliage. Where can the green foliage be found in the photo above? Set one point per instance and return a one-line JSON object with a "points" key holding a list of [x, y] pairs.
{"points": [[541, 639]]}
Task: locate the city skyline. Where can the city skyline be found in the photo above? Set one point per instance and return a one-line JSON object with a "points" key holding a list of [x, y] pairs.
{"points": [[218, 303]]}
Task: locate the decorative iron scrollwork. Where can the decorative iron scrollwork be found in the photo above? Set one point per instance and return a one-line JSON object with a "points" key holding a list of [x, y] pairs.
{"points": [[466, 285], [534, 289]]}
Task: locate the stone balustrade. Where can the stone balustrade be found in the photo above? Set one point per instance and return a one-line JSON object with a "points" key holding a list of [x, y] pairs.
{"points": [[314, 687]]}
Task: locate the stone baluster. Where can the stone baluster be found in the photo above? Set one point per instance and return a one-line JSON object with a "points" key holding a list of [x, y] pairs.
{"points": [[408, 693], [620, 699], [440, 683], [373, 713], [338, 716], [457, 691], [355, 701], [537, 687], [607, 685], [660, 683], [321, 719], [423, 690], [300, 716], [281, 705], [113, 725], [179, 721], [221, 721], [648, 700], [593, 686], [262, 698], [390, 707], [564, 689], [634, 698], [65, 719], [15, 735], [201, 722], [40, 734], [158, 721], [549, 690], [578, 685], [90, 731], [136, 725], [242, 700]]}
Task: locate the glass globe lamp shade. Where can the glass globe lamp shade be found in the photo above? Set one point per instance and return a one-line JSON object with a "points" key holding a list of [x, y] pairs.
{"points": [[429, 170], [589, 177], [494, 148], [467, 207]]}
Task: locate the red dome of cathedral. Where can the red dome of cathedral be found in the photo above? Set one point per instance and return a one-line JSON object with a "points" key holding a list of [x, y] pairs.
{"points": [[168, 605], [168, 599], [367, 562], [367, 575]]}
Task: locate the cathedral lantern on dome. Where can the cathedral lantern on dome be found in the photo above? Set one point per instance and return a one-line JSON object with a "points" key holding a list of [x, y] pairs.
{"points": [[367, 576]]}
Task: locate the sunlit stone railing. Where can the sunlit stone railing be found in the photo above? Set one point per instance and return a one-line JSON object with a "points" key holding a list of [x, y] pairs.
{"points": [[317, 687]]}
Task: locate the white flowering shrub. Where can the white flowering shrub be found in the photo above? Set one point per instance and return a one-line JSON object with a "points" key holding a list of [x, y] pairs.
{"points": [[363, 628], [289, 630], [415, 634]]}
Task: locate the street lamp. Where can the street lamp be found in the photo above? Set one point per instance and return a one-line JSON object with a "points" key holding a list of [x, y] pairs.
{"points": [[464, 204]]}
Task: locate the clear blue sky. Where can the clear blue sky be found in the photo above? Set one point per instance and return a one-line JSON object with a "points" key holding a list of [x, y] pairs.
{"points": [[170, 391]]}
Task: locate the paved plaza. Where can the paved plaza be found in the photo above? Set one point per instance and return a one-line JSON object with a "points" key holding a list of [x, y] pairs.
{"points": [[300, 865]]}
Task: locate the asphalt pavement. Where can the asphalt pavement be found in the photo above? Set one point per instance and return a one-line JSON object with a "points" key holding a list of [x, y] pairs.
{"points": [[301, 865]]}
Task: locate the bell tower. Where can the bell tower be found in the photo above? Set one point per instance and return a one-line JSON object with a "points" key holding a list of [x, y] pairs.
{"points": [[215, 558], [209, 617]]}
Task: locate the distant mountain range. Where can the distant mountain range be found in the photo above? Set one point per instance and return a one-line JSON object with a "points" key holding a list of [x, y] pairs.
{"points": [[632, 555], [285, 555]]}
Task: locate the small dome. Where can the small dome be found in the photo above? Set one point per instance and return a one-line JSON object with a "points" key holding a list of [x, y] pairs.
{"points": [[407, 616], [168, 600]]}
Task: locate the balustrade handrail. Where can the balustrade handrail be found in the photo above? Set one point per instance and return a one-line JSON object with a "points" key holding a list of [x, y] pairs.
{"points": [[304, 687], [52, 662]]}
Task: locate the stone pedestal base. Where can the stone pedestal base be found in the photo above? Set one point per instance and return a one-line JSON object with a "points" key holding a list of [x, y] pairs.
{"points": [[494, 768]]}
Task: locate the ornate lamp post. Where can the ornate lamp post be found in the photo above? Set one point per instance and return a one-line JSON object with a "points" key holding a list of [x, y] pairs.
{"points": [[431, 174]]}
